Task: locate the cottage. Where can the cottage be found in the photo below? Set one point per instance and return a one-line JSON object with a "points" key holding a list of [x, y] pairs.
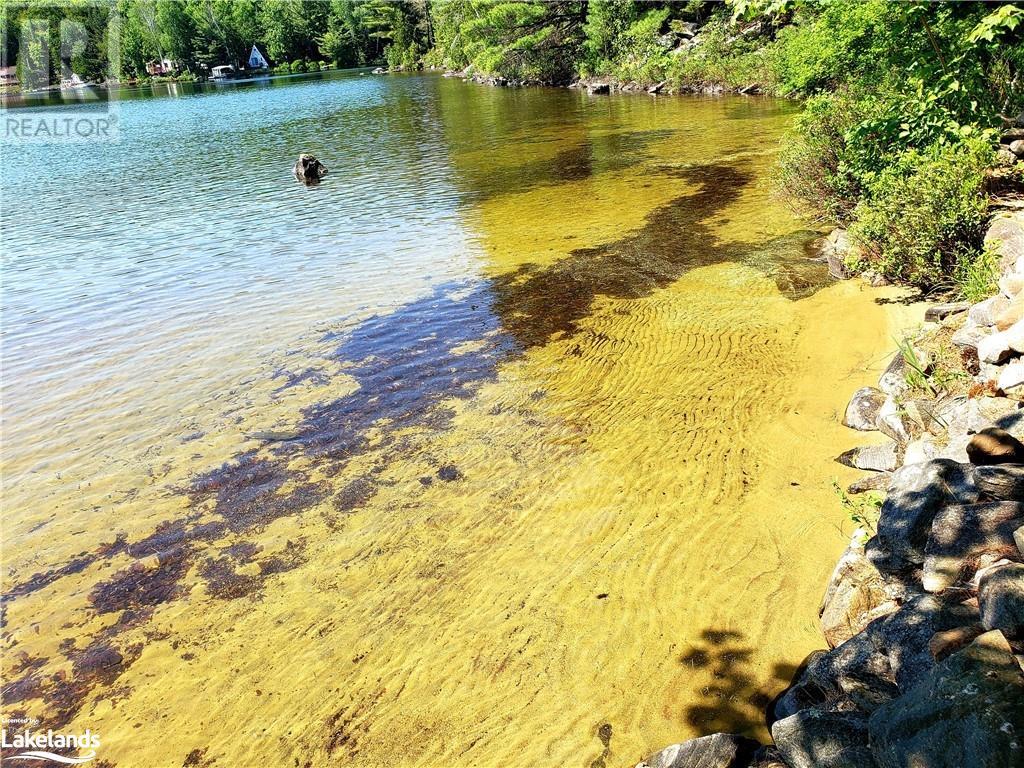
{"points": [[8, 77], [161, 67], [257, 60]]}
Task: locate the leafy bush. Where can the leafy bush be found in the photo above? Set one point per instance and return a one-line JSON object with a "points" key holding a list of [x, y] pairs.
{"points": [[923, 215], [298, 66], [818, 166]]}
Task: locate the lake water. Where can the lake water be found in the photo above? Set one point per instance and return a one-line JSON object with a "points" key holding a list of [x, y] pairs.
{"points": [[508, 444]]}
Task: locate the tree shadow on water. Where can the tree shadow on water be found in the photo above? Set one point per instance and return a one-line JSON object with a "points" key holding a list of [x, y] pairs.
{"points": [[733, 700]]}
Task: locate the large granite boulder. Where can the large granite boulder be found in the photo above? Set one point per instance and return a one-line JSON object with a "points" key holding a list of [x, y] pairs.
{"points": [[1003, 482], [856, 595], [963, 536], [916, 494], [719, 750], [967, 712], [875, 458], [1001, 597], [815, 738]]}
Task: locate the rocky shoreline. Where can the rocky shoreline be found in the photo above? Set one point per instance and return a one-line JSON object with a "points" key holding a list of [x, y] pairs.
{"points": [[923, 616]]}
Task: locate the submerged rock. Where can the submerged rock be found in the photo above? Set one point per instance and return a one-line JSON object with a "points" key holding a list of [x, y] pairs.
{"points": [[968, 711], [308, 169], [720, 750]]}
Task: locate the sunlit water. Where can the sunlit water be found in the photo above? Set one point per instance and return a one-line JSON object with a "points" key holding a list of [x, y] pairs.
{"points": [[506, 445]]}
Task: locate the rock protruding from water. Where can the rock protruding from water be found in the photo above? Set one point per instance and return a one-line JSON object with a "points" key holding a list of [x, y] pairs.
{"points": [[308, 169], [720, 750]]}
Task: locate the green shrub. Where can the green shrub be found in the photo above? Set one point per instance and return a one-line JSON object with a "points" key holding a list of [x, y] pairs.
{"points": [[298, 66], [818, 165], [923, 215], [976, 278]]}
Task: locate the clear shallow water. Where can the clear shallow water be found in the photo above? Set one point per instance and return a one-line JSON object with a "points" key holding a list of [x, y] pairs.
{"points": [[464, 457]]}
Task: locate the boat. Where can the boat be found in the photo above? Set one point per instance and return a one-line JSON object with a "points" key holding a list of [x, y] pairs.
{"points": [[223, 72]]}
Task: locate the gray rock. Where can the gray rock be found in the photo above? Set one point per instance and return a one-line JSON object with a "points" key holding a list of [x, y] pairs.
{"points": [[984, 313], [856, 595], [720, 750], [877, 458], [836, 249], [876, 481], [818, 739], [1001, 597], [856, 671], [1005, 158], [894, 423], [598, 88], [917, 493], [1001, 482], [893, 380], [905, 635], [968, 712], [1004, 413], [1017, 147], [993, 445], [1018, 538], [961, 535], [1005, 236], [937, 312], [863, 408], [969, 336], [308, 169]]}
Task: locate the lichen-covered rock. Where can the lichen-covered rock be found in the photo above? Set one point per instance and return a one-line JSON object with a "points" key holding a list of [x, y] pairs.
{"points": [[877, 458], [963, 535], [863, 409], [856, 595], [1005, 238], [818, 739], [968, 711], [893, 381], [970, 335], [995, 446], [719, 750], [917, 493], [1001, 597]]}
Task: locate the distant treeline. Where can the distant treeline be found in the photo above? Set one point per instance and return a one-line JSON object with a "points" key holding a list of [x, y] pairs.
{"points": [[549, 40], [200, 34]]}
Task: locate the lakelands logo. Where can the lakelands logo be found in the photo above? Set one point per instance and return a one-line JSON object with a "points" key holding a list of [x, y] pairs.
{"points": [[37, 746]]}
